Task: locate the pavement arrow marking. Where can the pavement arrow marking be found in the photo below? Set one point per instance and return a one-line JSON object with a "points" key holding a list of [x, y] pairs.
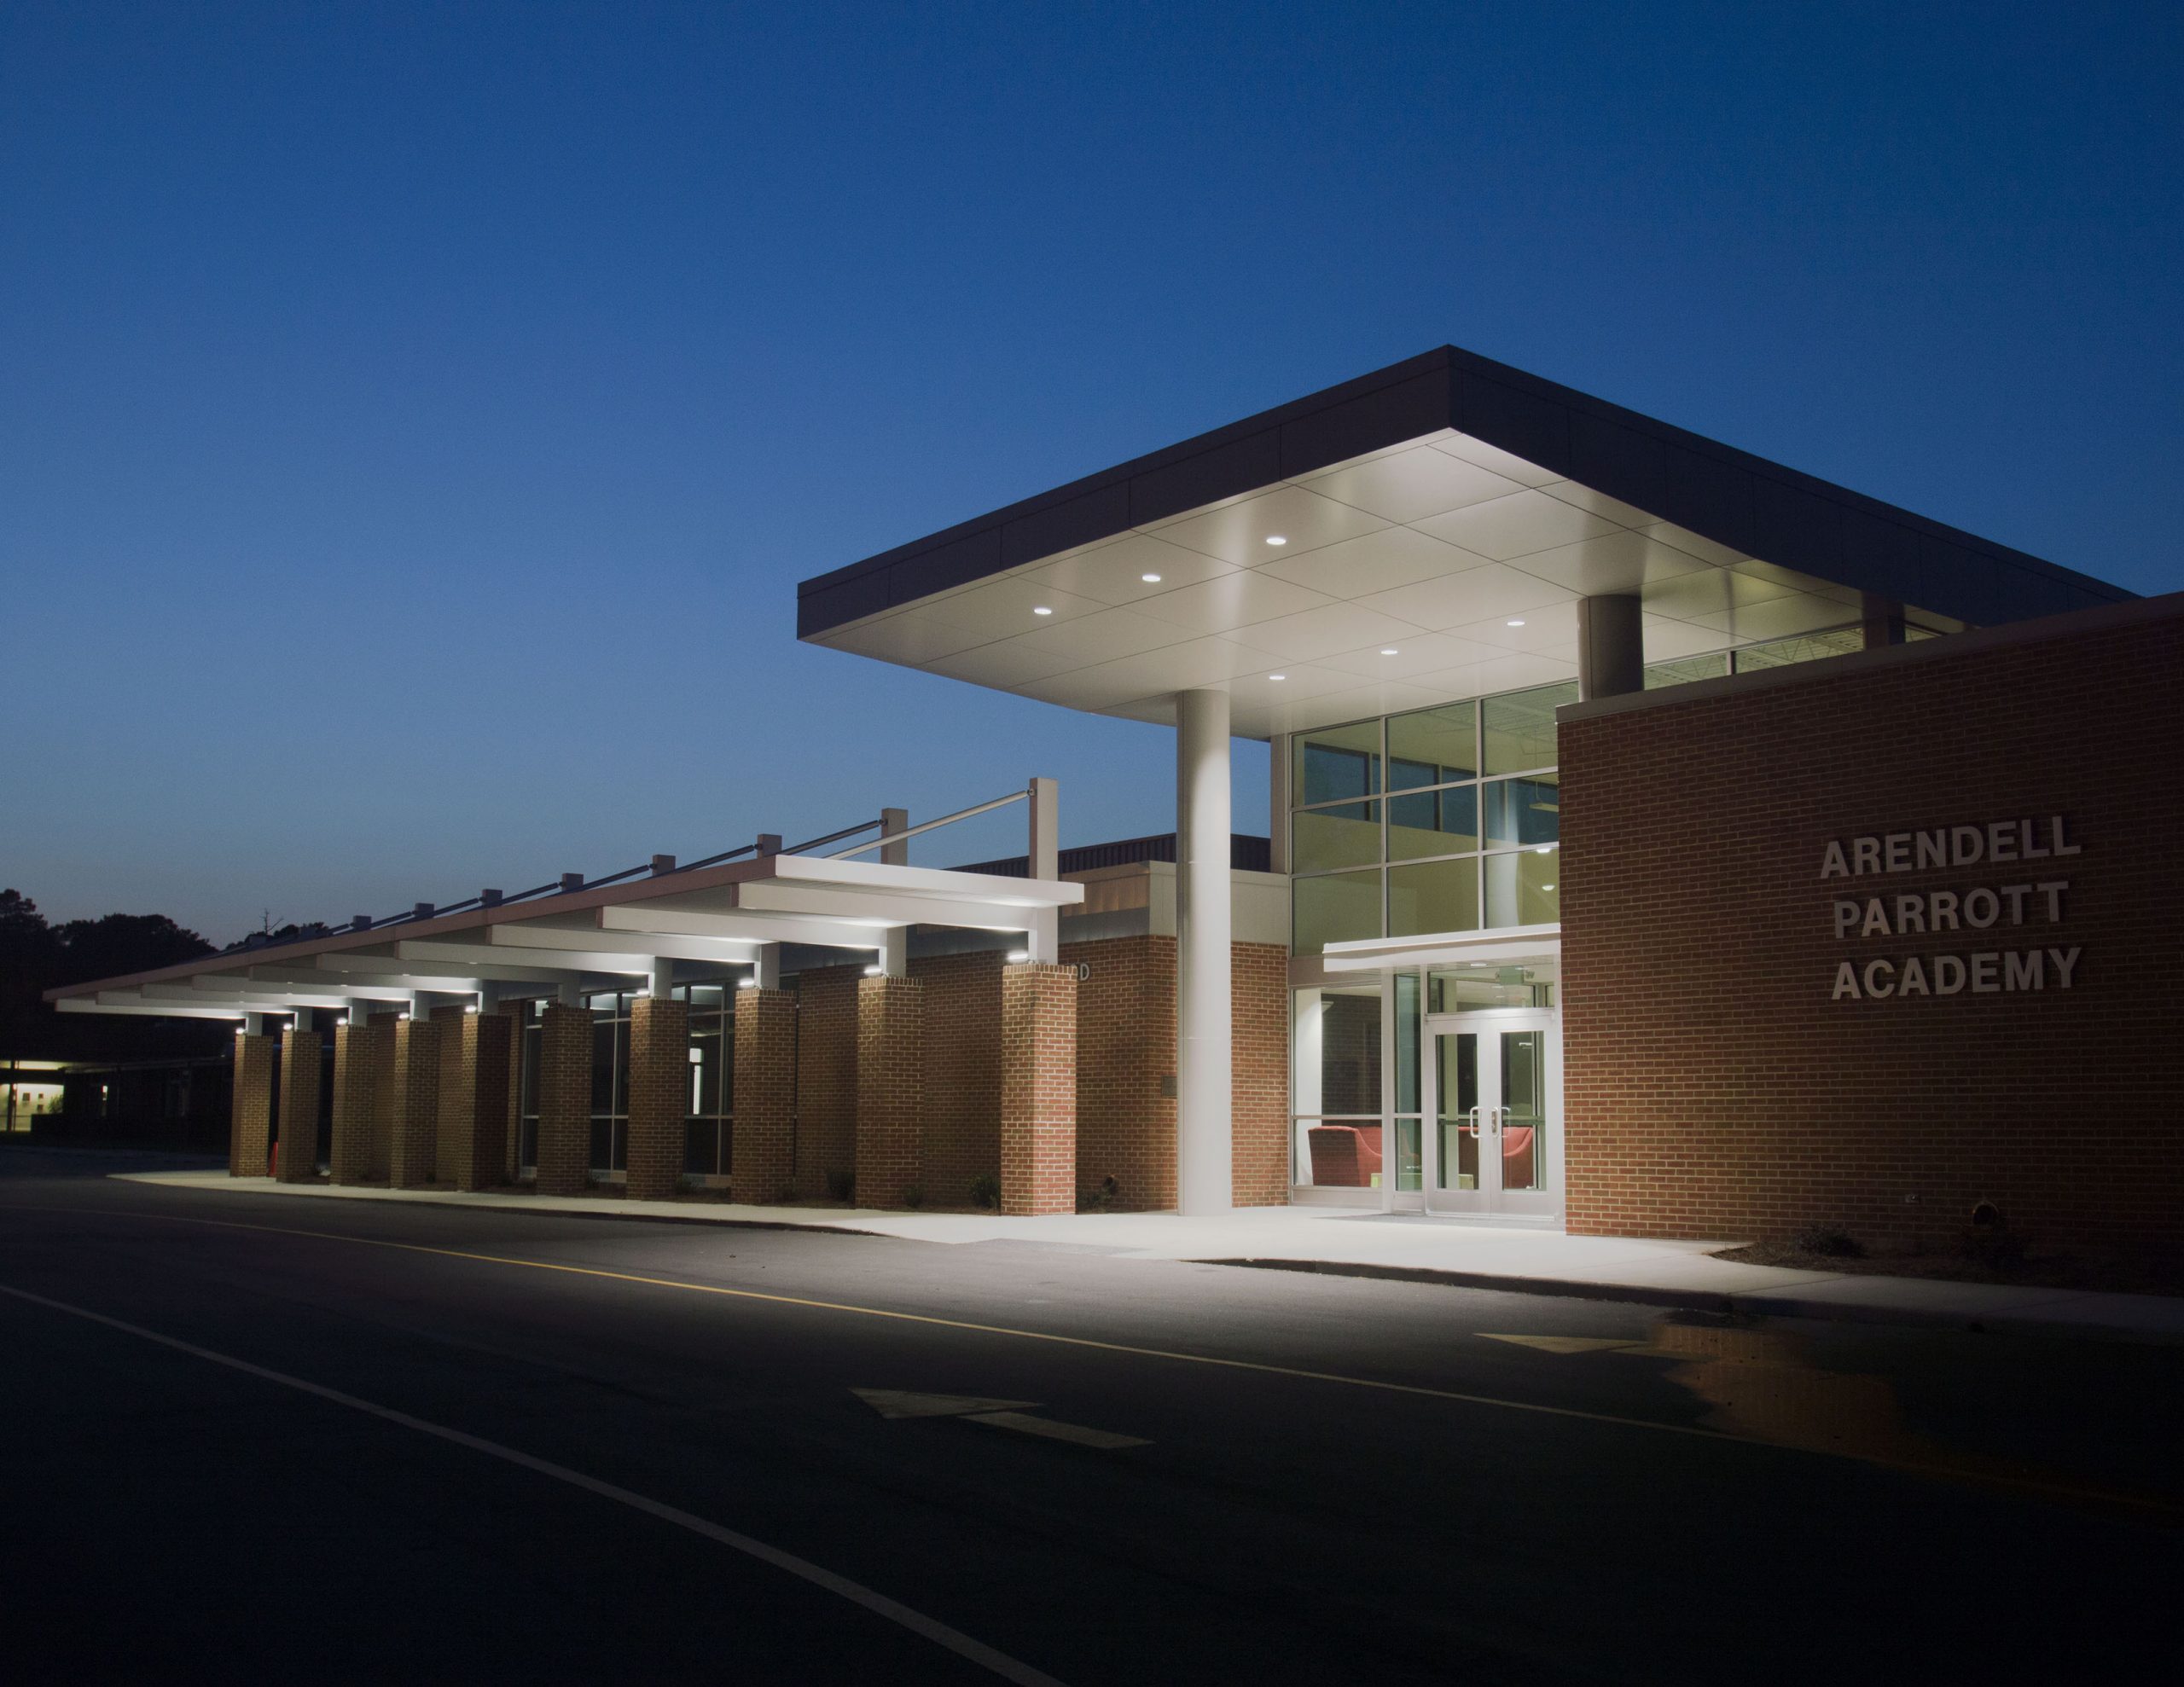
{"points": [[1566, 1344], [1002, 1414]]}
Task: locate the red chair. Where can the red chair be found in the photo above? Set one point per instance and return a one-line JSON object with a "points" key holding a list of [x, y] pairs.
{"points": [[1516, 1157], [1344, 1156]]}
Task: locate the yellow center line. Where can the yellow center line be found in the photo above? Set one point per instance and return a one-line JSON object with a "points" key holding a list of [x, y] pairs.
{"points": [[2050, 1490]]}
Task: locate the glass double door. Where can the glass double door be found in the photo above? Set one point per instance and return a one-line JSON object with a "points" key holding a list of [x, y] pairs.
{"points": [[1494, 1113]]}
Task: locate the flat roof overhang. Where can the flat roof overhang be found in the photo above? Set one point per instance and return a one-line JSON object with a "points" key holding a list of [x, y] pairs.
{"points": [[1449, 509], [703, 918]]}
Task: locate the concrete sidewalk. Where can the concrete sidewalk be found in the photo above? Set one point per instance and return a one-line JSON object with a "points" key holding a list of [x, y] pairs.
{"points": [[1344, 1241]]}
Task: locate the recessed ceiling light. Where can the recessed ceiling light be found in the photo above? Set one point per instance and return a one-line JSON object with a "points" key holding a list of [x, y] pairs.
{"points": [[1276, 539], [1390, 651], [1516, 623], [1277, 676], [1043, 610], [1150, 579], [1547, 887]]}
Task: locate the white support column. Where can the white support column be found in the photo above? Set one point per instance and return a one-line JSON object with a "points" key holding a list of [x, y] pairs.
{"points": [[489, 995], [569, 993], [1277, 802], [253, 1024], [895, 951], [1045, 851], [770, 966], [892, 820], [303, 1019], [662, 978], [1204, 1089], [1042, 939]]}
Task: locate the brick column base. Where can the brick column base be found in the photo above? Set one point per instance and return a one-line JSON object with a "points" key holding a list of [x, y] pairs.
{"points": [[351, 1150], [299, 1061], [490, 1059], [764, 1142], [413, 1137], [1038, 1088], [660, 1097], [565, 1100], [250, 1125], [474, 1100], [451, 1111], [890, 1087]]}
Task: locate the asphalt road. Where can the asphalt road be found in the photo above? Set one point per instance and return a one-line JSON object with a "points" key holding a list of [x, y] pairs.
{"points": [[407, 1443]]}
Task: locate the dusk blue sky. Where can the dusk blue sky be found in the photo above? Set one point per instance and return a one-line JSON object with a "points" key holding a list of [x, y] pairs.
{"points": [[415, 419]]}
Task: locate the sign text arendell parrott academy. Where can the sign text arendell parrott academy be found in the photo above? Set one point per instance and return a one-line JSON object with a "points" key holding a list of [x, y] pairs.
{"points": [[2039, 901]]}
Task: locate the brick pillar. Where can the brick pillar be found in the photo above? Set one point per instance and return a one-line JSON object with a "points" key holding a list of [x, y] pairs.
{"points": [[413, 1137], [250, 1130], [351, 1151], [383, 1058], [890, 1084], [488, 1075], [659, 1095], [765, 1101], [451, 1134], [565, 1100], [1038, 1088], [517, 1013], [299, 1059]]}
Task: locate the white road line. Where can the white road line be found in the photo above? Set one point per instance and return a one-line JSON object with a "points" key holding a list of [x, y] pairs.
{"points": [[977, 1651], [1106, 1440]]}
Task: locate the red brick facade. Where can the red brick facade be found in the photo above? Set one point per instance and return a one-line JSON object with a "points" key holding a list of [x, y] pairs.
{"points": [[1126, 1072], [250, 1132], [564, 1147], [825, 1078], [1038, 1089], [1259, 1073], [474, 1107], [890, 1087], [414, 1134], [1719, 1080], [959, 1114], [350, 1149], [300, 1054], [765, 1095], [659, 1095]]}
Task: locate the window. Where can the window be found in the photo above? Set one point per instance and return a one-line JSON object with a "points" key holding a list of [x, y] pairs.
{"points": [[1412, 825], [1338, 762]]}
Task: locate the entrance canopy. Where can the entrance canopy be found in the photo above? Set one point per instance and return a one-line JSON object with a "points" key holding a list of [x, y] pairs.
{"points": [[1420, 534], [639, 933]]}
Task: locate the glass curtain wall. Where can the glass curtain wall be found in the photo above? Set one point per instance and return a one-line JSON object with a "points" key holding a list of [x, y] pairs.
{"points": [[1442, 819]]}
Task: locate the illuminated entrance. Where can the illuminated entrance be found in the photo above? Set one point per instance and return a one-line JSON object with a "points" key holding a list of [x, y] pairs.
{"points": [[1495, 1086]]}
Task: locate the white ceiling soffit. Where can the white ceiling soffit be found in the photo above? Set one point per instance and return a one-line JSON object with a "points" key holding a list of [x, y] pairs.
{"points": [[1438, 568]]}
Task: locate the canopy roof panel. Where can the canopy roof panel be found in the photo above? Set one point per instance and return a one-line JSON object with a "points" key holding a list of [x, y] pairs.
{"points": [[1421, 534]]}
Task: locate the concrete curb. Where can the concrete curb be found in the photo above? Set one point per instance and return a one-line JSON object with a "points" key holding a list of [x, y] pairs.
{"points": [[1766, 1305], [1766, 1302]]}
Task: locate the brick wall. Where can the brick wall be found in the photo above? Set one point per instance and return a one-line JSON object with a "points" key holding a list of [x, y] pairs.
{"points": [[890, 1087], [382, 1131], [300, 1054], [1715, 1085], [473, 1115], [350, 1144], [564, 1147], [1259, 1075], [765, 1073], [959, 1113], [1037, 1135], [451, 1139], [659, 1095], [1125, 1070], [250, 1135], [413, 1139], [825, 1076]]}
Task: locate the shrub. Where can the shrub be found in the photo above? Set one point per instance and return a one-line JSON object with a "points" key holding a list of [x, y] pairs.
{"points": [[986, 1190], [913, 1195], [840, 1186], [1832, 1241]]}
